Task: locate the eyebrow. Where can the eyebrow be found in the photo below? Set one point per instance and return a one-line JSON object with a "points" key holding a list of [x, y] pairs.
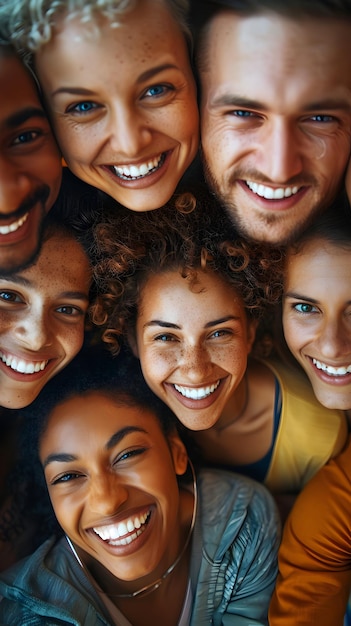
{"points": [[155, 70], [327, 104], [75, 295], [116, 438], [59, 458], [21, 280], [22, 116], [81, 91], [121, 434], [17, 278], [222, 320], [238, 101], [298, 296], [163, 324]]}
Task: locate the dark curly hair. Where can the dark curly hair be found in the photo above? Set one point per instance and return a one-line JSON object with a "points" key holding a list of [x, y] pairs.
{"points": [[190, 233]]}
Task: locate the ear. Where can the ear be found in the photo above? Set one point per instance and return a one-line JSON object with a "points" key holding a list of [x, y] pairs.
{"points": [[178, 453], [133, 344], [251, 333]]}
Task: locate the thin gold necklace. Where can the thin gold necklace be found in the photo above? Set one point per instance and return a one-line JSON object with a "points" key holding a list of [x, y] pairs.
{"points": [[157, 583]]}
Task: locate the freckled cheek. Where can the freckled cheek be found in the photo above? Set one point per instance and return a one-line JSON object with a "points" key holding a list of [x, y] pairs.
{"points": [[7, 321], [233, 359], [157, 366]]}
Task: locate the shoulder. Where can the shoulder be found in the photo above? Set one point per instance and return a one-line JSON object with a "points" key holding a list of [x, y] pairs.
{"points": [[28, 566], [237, 552], [324, 505], [230, 505]]}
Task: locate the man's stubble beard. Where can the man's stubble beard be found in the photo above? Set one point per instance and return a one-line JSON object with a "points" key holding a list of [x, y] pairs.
{"points": [[12, 265], [265, 221]]}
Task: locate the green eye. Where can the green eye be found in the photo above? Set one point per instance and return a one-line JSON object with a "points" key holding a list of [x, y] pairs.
{"points": [[303, 307]]}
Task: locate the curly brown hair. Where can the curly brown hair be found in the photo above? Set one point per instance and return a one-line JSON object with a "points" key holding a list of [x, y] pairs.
{"points": [[190, 233]]}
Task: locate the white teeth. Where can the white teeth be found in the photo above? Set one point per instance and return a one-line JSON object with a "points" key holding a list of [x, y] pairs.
{"points": [[10, 228], [197, 393], [132, 172], [21, 366], [269, 193], [332, 371], [115, 533]]}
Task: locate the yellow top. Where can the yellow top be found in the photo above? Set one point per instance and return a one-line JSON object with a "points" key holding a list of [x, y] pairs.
{"points": [[308, 435]]}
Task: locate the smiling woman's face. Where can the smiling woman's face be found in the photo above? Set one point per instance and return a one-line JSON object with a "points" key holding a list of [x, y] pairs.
{"points": [[42, 313], [317, 318], [112, 479], [193, 344], [123, 103]]}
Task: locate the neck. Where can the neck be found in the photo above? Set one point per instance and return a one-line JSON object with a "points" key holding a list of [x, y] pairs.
{"points": [[236, 408]]}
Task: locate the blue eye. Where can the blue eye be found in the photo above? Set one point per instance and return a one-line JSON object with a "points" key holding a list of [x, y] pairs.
{"points": [[10, 296], [323, 118], [303, 307], [128, 454], [65, 478], [83, 107], [220, 333], [241, 113], [158, 90], [155, 91]]}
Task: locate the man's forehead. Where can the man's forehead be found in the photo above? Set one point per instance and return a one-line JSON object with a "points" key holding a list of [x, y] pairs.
{"points": [[19, 98], [277, 40]]}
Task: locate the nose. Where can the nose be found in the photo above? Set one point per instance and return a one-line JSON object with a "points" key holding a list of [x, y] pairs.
{"points": [[335, 340], [34, 331], [15, 187], [281, 152], [195, 363], [128, 132], [106, 494]]}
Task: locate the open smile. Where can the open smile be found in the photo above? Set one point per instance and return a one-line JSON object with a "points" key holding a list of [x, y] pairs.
{"points": [[272, 193], [331, 370], [197, 393], [135, 172], [196, 398], [11, 228], [123, 533], [21, 365]]}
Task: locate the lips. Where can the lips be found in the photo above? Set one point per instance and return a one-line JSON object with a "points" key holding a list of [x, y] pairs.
{"points": [[123, 533], [195, 398], [21, 365], [14, 226], [331, 370], [135, 172], [197, 393], [271, 193]]}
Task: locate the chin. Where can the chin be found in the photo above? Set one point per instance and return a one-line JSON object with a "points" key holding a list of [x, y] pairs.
{"points": [[334, 401]]}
